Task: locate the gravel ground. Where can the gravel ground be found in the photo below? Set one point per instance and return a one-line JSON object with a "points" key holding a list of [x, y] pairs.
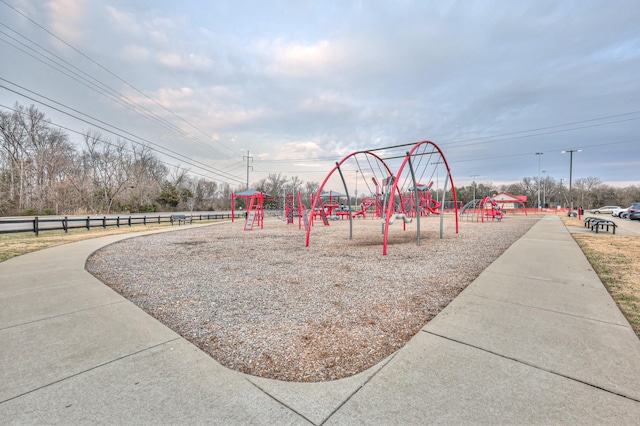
{"points": [[262, 303]]}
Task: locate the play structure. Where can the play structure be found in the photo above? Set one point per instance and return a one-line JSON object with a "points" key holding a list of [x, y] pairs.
{"points": [[489, 209], [494, 207], [254, 201], [402, 183], [420, 200], [292, 209]]}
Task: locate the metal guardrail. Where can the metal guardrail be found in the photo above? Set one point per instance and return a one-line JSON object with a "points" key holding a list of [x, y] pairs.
{"points": [[38, 224]]}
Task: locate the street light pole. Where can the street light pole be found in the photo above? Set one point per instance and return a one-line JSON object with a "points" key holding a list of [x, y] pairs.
{"points": [[544, 189], [570, 151], [539, 154]]}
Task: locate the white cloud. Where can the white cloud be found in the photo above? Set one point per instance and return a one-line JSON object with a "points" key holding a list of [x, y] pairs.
{"points": [[68, 19], [298, 150], [184, 61], [135, 53], [297, 59], [124, 23]]}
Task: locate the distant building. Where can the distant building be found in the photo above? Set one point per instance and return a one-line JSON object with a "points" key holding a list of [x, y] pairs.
{"points": [[508, 201]]}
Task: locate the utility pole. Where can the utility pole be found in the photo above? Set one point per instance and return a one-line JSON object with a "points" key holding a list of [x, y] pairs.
{"points": [[248, 157], [564, 195], [570, 151], [474, 188], [539, 154]]}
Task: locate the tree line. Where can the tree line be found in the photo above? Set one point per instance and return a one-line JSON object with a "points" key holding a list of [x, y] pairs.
{"points": [[587, 192], [43, 172]]}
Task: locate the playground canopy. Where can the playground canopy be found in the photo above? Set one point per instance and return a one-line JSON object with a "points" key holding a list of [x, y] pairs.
{"points": [[250, 193], [332, 194]]}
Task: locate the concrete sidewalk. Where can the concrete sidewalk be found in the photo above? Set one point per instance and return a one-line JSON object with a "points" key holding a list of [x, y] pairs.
{"points": [[534, 339]]}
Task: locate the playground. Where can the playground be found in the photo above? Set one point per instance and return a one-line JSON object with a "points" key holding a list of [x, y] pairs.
{"points": [[262, 303]]}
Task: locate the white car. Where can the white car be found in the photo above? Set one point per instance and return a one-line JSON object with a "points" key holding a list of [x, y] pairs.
{"points": [[605, 209], [619, 211]]}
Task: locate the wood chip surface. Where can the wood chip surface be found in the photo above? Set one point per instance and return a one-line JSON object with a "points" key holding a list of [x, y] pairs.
{"points": [[262, 303]]}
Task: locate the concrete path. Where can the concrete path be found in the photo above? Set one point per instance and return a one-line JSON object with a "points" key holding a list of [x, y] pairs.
{"points": [[534, 339]]}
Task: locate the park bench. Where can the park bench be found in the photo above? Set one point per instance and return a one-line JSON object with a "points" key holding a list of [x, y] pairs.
{"points": [[180, 218], [589, 220], [596, 224], [601, 224]]}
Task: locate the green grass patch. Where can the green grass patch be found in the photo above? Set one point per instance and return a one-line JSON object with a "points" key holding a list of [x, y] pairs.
{"points": [[12, 245]]}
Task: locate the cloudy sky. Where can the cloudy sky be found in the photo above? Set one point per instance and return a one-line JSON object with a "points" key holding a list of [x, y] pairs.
{"points": [[300, 84]]}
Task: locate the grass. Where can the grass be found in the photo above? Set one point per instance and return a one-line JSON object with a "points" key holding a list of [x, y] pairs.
{"points": [[615, 259], [12, 245]]}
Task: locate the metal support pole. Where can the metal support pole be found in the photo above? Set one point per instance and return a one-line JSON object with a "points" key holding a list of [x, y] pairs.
{"points": [[346, 191], [415, 195], [442, 210]]}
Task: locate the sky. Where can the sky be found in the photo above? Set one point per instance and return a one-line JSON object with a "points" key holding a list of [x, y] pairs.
{"points": [[292, 87]]}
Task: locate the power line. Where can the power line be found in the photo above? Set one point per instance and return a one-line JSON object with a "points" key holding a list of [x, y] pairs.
{"points": [[116, 76], [206, 167], [98, 120], [100, 87], [459, 144], [177, 166]]}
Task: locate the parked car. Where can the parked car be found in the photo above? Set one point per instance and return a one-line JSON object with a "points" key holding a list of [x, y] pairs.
{"points": [[604, 210], [634, 216], [633, 209], [619, 212]]}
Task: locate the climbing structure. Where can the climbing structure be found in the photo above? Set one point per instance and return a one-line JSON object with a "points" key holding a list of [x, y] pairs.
{"points": [[489, 209], [294, 207], [405, 194], [289, 208], [254, 201]]}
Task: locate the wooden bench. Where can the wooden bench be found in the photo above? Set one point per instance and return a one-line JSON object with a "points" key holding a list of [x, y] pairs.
{"points": [[180, 218]]}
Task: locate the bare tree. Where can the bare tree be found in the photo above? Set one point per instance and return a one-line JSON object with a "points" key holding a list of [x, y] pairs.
{"points": [[206, 192], [309, 188], [582, 190], [12, 156], [111, 165], [146, 176]]}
